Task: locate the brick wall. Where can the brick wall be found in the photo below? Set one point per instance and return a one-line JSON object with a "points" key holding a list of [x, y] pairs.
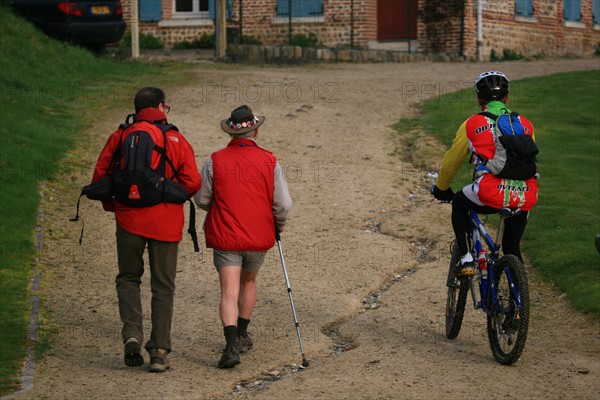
{"points": [[332, 29], [439, 26], [545, 34], [260, 22], [444, 26]]}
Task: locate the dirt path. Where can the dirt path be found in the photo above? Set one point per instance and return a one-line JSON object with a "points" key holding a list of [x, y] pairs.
{"points": [[363, 227]]}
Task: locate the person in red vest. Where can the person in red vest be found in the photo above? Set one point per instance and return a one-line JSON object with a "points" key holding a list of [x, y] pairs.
{"points": [[247, 198], [158, 227]]}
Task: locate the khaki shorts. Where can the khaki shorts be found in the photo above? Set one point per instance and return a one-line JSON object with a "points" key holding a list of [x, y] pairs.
{"points": [[249, 260]]}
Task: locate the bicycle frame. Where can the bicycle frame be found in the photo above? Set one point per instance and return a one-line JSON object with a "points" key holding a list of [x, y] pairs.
{"points": [[488, 300]]}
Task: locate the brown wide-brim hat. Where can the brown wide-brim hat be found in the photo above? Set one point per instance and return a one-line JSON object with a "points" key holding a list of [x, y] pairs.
{"points": [[241, 121]]}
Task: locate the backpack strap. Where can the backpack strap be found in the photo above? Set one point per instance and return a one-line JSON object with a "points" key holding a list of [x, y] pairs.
{"points": [[114, 162], [77, 217], [488, 114], [192, 226], [494, 116], [161, 167], [163, 150], [133, 119]]}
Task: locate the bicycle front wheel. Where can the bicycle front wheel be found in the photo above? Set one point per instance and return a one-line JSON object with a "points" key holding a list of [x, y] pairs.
{"points": [[507, 325], [456, 299]]}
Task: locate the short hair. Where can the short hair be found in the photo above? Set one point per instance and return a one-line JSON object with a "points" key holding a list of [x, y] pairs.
{"points": [[246, 135], [148, 97]]}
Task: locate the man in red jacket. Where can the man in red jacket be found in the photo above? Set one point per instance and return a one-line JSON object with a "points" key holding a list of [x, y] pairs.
{"points": [[158, 227], [246, 196]]}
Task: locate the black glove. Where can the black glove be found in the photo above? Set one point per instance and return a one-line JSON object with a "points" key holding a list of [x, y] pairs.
{"points": [[442, 195]]}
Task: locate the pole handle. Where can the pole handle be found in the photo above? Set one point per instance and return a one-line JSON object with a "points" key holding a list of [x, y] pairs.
{"points": [[277, 237]]}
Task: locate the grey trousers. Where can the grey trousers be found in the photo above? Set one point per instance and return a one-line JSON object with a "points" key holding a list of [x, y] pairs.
{"points": [[163, 268]]}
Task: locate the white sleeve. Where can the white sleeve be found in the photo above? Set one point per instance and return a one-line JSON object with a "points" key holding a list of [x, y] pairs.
{"points": [[282, 202], [203, 198]]}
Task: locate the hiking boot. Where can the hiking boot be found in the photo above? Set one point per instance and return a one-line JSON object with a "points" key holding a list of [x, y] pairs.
{"points": [[230, 358], [468, 269], [245, 343], [158, 360], [133, 358]]}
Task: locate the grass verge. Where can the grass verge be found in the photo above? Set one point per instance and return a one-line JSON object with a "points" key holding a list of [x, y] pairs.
{"points": [[50, 93], [559, 239]]}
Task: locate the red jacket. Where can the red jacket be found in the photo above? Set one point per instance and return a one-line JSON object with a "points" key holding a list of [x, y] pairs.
{"points": [[163, 221], [241, 213]]}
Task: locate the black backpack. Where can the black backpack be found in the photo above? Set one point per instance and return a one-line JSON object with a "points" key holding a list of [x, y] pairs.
{"points": [[515, 151], [133, 182]]}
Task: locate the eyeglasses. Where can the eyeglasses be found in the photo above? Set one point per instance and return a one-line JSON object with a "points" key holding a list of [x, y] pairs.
{"points": [[167, 108]]}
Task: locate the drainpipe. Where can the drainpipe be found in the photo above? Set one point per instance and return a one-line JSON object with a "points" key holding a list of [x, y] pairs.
{"points": [[352, 24], [409, 25], [241, 35], [461, 51], [290, 22], [479, 30]]}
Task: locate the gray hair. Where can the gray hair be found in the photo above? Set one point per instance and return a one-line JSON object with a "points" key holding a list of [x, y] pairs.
{"points": [[246, 135]]}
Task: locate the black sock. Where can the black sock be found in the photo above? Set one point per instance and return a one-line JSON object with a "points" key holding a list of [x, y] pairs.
{"points": [[230, 332], [242, 327]]}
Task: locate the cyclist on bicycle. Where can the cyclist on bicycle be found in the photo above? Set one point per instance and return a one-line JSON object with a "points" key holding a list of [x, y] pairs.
{"points": [[488, 193]]}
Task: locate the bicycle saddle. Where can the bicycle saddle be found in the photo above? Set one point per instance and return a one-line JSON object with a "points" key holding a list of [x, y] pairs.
{"points": [[509, 212]]}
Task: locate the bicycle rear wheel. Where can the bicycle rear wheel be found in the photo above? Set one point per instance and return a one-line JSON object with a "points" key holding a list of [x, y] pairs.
{"points": [[508, 324], [456, 299]]}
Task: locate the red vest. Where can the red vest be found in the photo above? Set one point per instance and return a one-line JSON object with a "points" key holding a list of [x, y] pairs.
{"points": [[241, 216]]}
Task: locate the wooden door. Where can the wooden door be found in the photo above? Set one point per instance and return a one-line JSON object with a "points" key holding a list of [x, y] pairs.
{"points": [[396, 19]]}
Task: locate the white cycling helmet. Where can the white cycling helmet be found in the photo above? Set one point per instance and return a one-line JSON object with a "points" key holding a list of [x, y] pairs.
{"points": [[491, 85]]}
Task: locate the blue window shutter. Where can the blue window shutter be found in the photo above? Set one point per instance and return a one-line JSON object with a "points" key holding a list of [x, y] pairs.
{"points": [[211, 9], [524, 8], [572, 10], [596, 11], [229, 8], [150, 10], [300, 8]]}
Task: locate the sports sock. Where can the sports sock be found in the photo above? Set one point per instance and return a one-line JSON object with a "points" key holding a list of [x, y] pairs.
{"points": [[242, 327], [230, 332]]}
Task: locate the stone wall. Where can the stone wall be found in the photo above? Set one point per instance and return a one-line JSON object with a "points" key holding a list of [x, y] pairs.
{"points": [[256, 54], [544, 34]]}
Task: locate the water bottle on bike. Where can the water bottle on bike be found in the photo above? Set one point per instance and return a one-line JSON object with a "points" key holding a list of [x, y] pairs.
{"points": [[482, 262]]}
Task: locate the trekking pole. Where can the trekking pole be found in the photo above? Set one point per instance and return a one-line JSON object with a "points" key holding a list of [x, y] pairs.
{"points": [[289, 289]]}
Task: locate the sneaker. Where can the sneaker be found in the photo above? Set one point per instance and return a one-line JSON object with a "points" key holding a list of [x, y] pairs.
{"points": [[230, 358], [468, 269], [245, 343], [158, 360], [133, 358]]}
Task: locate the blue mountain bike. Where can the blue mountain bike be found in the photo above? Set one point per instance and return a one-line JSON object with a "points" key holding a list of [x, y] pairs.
{"points": [[499, 289]]}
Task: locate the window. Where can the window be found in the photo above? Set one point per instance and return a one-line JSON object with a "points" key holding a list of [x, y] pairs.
{"points": [[596, 11], [300, 8], [524, 8], [190, 8], [572, 10]]}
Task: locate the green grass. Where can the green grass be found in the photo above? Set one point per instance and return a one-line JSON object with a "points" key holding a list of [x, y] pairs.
{"points": [[559, 238], [50, 93]]}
